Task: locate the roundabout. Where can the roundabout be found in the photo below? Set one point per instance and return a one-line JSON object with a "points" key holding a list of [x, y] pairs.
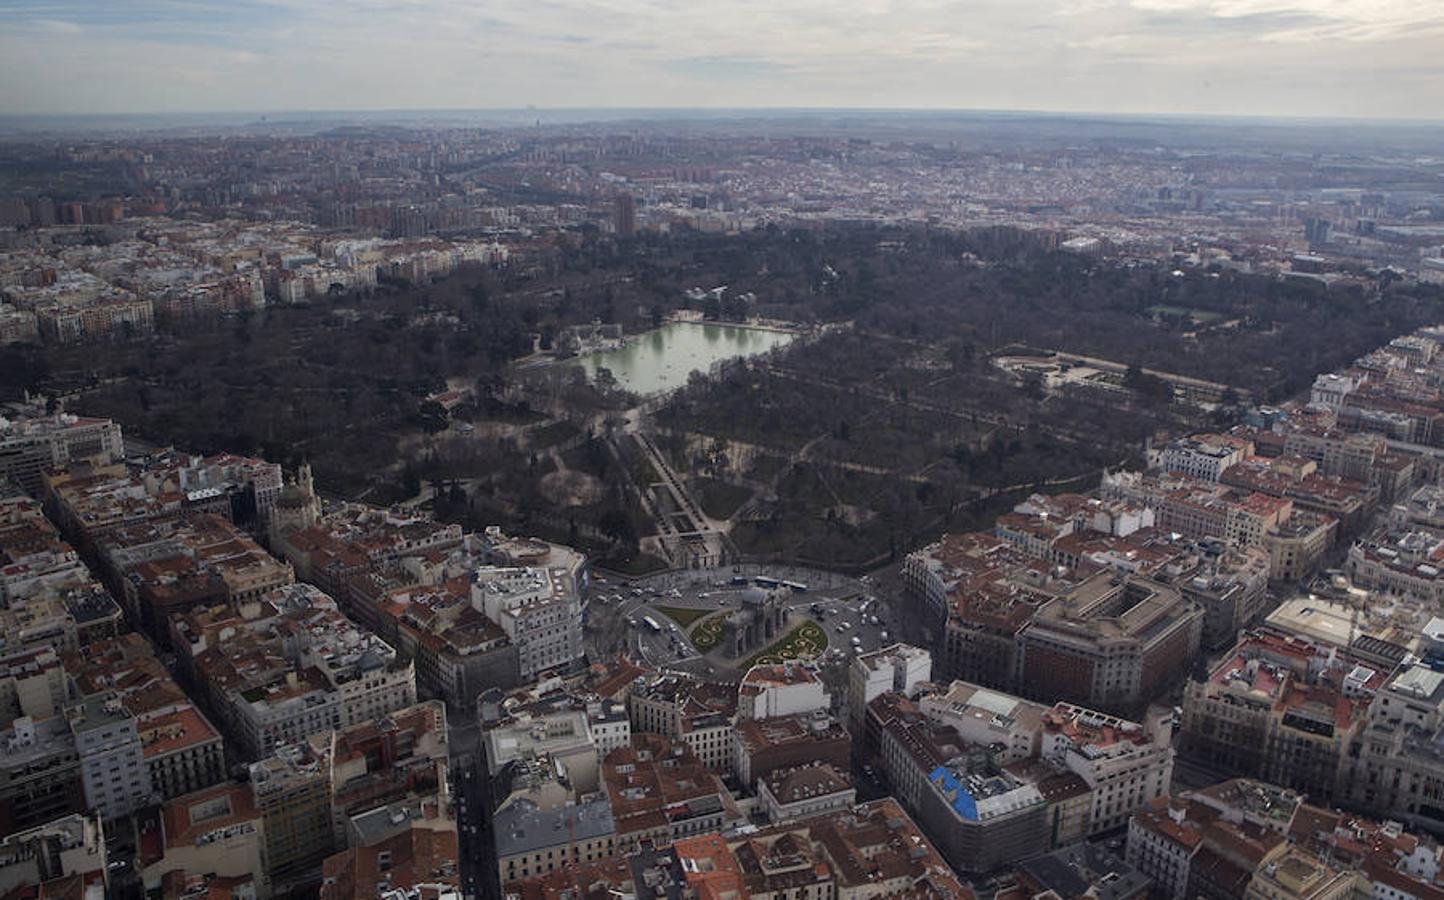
{"points": [[719, 622]]}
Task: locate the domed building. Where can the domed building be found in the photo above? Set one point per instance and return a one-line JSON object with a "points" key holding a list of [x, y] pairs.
{"points": [[296, 507]]}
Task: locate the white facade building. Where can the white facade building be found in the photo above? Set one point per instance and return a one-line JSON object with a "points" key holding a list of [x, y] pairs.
{"points": [[1124, 766], [988, 718], [538, 608], [899, 668], [1200, 458], [1331, 391], [112, 762], [790, 689]]}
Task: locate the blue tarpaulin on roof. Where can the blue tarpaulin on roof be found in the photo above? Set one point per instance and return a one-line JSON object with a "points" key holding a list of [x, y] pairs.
{"points": [[963, 802]]}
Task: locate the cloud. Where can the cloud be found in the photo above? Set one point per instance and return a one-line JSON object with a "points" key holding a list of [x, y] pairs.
{"points": [[723, 68], [1096, 55], [1309, 20], [58, 26]]}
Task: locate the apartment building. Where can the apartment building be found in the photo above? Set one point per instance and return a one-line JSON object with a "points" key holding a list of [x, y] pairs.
{"points": [[1211, 843], [1123, 766], [215, 833], [390, 776], [805, 790], [32, 443], [241, 489], [1203, 456], [32, 684], [64, 855], [183, 752], [39, 773], [540, 611], [901, 668], [532, 841], [1281, 709], [1009, 726], [563, 737], [981, 590], [1231, 588], [1114, 643], [789, 689], [1239, 516], [113, 773], [1299, 876], [979, 814], [1400, 769], [459, 652], [764, 745], [416, 861], [1399, 559], [289, 665], [292, 791], [660, 792], [698, 712], [159, 568], [1296, 548]]}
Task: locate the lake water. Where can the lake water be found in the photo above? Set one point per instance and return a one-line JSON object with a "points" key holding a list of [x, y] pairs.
{"points": [[661, 359]]}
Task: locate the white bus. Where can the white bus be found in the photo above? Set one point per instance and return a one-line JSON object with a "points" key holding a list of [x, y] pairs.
{"points": [[652, 623]]}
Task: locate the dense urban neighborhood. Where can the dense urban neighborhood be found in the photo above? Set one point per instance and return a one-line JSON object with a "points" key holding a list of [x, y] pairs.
{"points": [[568, 513]]}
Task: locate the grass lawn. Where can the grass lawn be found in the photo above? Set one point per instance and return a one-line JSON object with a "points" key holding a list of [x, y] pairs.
{"points": [[682, 615], [767, 467], [721, 499], [706, 635], [640, 564], [806, 641]]}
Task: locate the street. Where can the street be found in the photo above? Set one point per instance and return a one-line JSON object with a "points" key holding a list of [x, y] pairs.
{"points": [[657, 613]]}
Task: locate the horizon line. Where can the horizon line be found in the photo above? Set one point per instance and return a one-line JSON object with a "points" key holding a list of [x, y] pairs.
{"points": [[298, 113]]}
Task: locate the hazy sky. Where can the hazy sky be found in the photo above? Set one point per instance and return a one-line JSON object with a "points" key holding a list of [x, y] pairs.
{"points": [[1299, 57]]}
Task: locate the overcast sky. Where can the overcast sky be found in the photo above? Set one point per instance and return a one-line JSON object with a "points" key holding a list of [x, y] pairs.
{"points": [[1292, 57]]}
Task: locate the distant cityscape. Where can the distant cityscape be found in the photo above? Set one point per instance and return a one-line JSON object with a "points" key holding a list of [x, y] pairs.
{"points": [[111, 234]]}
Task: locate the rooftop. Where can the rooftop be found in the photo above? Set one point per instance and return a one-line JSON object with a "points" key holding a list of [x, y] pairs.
{"points": [[209, 814], [978, 793], [523, 827], [1085, 870], [807, 781]]}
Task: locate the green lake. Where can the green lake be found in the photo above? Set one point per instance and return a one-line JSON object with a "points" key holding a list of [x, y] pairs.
{"points": [[661, 359]]}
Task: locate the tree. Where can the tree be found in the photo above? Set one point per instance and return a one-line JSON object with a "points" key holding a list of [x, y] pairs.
{"points": [[480, 299], [432, 416], [615, 524], [1033, 386]]}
